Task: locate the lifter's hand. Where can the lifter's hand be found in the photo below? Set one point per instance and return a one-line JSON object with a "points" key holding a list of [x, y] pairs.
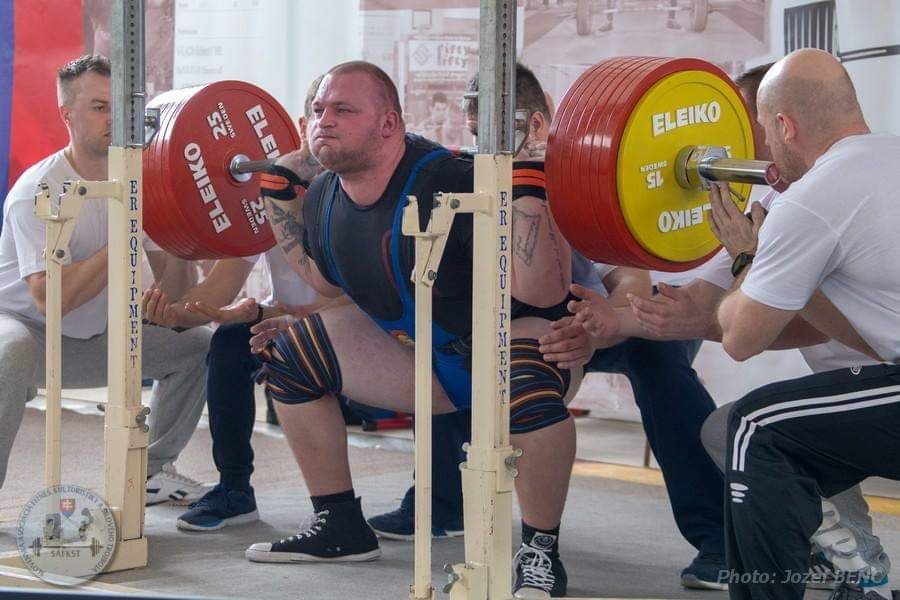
{"points": [[731, 226], [672, 314], [301, 161], [265, 331], [568, 345], [244, 310]]}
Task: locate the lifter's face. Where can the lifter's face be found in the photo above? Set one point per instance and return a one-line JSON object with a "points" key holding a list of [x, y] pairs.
{"points": [[347, 127], [88, 114]]}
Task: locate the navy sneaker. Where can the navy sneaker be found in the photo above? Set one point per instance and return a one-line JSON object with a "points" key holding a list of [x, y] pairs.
{"points": [[219, 508], [706, 572], [399, 524]]}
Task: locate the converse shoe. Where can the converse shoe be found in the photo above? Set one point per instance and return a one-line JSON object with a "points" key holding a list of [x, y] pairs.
{"points": [[219, 508], [339, 533], [539, 572], [171, 486], [399, 524], [706, 572]]}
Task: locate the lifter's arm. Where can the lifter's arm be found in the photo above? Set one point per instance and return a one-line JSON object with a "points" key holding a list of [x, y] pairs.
{"points": [[542, 258], [81, 281], [284, 208]]}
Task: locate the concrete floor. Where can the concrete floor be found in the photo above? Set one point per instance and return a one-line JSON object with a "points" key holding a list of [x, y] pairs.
{"points": [[618, 538], [618, 541]]}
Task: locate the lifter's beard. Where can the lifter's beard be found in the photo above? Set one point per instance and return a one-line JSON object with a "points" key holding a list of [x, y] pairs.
{"points": [[348, 163]]}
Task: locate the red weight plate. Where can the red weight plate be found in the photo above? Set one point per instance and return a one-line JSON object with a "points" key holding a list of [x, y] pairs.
{"points": [[595, 147], [220, 121], [177, 225], [158, 216], [606, 205], [571, 166], [567, 202], [248, 122], [582, 170]]}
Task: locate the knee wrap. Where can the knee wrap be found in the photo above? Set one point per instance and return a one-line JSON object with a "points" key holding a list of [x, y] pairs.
{"points": [[300, 365], [537, 389]]}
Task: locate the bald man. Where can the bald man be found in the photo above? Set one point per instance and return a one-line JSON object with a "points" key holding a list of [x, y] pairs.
{"points": [[833, 230]]}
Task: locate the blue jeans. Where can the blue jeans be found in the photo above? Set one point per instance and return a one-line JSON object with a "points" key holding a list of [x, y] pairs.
{"points": [[674, 405], [229, 399]]}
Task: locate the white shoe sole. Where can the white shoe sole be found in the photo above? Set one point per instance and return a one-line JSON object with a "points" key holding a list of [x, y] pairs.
{"points": [[693, 583], [292, 557], [238, 520], [387, 535]]}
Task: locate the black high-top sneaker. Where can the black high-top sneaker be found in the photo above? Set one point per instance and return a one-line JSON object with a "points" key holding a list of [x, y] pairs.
{"points": [[539, 572], [337, 533]]}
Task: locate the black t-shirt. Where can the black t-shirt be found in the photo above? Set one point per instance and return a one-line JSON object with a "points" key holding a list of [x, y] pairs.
{"points": [[360, 239]]}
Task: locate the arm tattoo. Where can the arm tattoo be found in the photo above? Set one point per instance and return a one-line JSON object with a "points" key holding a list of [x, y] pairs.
{"points": [[555, 242], [525, 243], [291, 231]]}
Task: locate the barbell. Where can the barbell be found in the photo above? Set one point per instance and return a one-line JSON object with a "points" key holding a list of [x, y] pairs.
{"points": [[632, 149], [200, 197]]}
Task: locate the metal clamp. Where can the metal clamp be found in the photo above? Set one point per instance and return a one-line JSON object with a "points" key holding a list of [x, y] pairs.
{"points": [[452, 578], [512, 462], [141, 418], [151, 124]]}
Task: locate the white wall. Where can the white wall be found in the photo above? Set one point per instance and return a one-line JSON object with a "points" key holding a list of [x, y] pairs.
{"points": [[861, 24], [279, 45]]}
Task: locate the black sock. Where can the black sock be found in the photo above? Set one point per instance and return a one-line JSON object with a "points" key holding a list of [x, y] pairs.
{"points": [[545, 539], [321, 502]]}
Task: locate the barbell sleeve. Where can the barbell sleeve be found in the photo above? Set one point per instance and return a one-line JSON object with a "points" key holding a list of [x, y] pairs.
{"points": [[241, 165], [697, 166], [759, 172]]}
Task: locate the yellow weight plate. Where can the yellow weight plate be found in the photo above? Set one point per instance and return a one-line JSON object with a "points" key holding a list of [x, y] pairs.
{"points": [[686, 108]]}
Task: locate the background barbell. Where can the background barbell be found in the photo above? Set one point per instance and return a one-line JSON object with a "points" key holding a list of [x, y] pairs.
{"points": [[632, 149]]}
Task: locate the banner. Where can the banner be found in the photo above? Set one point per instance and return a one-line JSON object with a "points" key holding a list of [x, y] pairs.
{"points": [[37, 37]]}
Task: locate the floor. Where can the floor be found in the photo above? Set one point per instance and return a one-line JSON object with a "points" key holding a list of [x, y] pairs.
{"points": [[618, 536]]}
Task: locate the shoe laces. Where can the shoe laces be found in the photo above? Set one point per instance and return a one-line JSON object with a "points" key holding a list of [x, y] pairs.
{"points": [[536, 567], [311, 525]]}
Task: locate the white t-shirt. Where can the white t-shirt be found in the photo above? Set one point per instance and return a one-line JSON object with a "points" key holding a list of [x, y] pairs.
{"points": [[590, 274], [287, 286], [821, 357], [22, 244], [836, 229]]}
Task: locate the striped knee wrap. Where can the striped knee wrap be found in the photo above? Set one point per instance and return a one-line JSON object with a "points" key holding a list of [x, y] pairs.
{"points": [[537, 389], [300, 364]]}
